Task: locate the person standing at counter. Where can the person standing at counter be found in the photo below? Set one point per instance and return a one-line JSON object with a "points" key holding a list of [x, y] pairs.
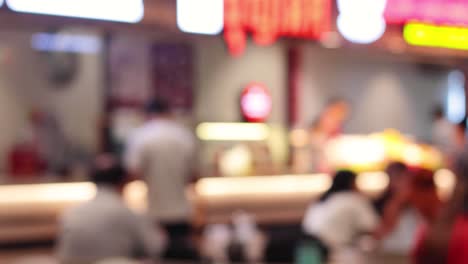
{"points": [[161, 152], [328, 125], [104, 227]]}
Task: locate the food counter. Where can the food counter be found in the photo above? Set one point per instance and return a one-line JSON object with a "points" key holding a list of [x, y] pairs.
{"points": [[30, 212]]}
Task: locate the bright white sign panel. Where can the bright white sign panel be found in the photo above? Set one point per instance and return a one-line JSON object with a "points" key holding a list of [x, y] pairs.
{"points": [[361, 21], [129, 11], [200, 16]]}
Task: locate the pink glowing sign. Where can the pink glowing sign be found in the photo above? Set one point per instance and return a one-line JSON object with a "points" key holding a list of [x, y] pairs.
{"points": [[256, 102], [448, 12]]}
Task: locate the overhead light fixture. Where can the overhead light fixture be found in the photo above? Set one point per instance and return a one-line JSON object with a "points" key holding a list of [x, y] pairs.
{"points": [[200, 16], [72, 43], [361, 21], [129, 11], [233, 131]]}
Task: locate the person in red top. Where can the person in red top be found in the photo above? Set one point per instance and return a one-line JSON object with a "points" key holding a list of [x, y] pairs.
{"points": [[445, 240]]}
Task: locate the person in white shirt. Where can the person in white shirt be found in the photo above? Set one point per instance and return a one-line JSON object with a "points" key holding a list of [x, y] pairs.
{"points": [[105, 227], [161, 152], [340, 216]]}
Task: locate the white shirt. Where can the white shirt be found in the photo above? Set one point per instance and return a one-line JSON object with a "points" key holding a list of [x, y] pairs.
{"points": [[105, 228], [401, 240], [163, 152], [340, 218]]}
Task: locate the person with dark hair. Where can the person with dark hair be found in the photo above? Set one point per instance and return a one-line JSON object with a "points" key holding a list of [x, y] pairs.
{"points": [[162, 153], [104, 227], [398, 174], [400, 219], [445, 240], [341, 215]]}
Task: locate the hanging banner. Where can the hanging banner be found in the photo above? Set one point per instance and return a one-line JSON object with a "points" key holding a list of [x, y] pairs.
{"points": [[268, 20]]}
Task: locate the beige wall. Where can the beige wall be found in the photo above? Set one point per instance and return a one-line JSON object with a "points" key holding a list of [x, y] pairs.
{"points": [[220, 79], [24, 84], [384, 93]]}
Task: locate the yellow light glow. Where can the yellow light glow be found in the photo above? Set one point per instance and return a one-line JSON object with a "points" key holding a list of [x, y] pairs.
{"points": [[264, 185], [419, 34], [360, 153], [47, 193], [413, 155], [445, 181], [236, 161], [136, 195], [233, 132], [372, 182]]}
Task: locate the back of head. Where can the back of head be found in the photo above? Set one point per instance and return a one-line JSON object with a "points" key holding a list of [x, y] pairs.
{"points": [[158, 106], [344, 181], [438, 112], [395, 169], [107, 170]]}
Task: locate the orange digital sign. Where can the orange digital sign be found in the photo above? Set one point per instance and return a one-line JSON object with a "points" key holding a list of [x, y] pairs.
{"points": [[267, 20]]}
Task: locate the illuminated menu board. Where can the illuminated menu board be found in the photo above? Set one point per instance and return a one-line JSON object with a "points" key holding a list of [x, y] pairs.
{"points": [[129, 11]]}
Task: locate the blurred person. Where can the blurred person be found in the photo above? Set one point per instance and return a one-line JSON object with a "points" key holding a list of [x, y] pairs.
{"points": [[328, 125], [461, 134], [50, 140], [340, 217], [161, 152], [398, 175], [105, 228], [400, 219], [423, 195], [444, 135], [445, 240], [59, 153]]}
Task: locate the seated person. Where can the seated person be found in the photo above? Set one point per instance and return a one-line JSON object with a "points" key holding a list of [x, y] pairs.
{"points": [[340, 216], [104, 227]]}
